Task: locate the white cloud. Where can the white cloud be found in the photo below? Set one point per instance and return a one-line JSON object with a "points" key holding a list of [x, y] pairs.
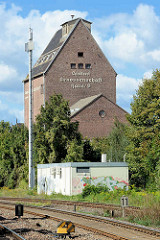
{"points": [[124, 46], [12, 97], [126, 88], [148, 74], [131, 38], [127, 85], [8, 72], [155, 55]]}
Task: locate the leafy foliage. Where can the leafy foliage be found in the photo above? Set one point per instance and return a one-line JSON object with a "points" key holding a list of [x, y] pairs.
{"points": [[74, 152], [13, 158], [93, 190], [55, 134], [115, 144], [144, 150], [89, 153]]}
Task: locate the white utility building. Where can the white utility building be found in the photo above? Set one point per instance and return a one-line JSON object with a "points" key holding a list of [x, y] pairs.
{"points": [[71, 177]]}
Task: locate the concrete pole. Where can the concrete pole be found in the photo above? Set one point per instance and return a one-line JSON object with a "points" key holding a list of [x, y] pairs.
{"points": [[29, 48]]}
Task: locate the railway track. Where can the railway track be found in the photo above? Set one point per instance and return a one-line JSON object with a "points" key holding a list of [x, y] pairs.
{"points": [[7, 232], [73, 204], [115, 229]]}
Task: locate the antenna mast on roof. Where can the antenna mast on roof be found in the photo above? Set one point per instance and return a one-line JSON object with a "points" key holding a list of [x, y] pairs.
{"points": [[72, 16]]}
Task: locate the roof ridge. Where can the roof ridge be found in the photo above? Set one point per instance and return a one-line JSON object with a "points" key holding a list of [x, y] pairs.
{"points": [[61, 47], [90, 102]]}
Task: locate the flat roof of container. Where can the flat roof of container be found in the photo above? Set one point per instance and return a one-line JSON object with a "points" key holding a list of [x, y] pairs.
{"points": [[84, 164]]}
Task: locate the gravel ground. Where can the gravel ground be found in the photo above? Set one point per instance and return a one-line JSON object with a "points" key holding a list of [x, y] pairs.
{"points": [[33, 228]]}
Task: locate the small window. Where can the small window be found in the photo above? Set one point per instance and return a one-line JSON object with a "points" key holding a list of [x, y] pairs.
{"points": [[73, 65], [88, 66], [60, 173], [54, 173], [80, 54], [102, 114], [80, 65], [66, 28], [42, 88], [82, 169]]}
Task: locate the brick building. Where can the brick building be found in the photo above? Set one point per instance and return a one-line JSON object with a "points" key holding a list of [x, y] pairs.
{"points": [[74, 65]]}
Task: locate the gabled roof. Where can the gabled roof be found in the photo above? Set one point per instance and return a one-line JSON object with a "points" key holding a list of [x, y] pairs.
{"points": [[52, 50], [82, 103], [85, 102], [76, 19], [49, 54]]}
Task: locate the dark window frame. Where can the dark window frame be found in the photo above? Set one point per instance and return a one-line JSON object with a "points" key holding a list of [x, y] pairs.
{"points": [[102, 113], [80, 66], [82, 169], [73, 65], [87, 64], [80, 54], [42, 89]]}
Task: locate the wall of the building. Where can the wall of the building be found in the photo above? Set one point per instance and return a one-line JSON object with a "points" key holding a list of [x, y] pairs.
{"points": [[72, 183], [101, 78], [37, 98], [112, 177], [47, 183], [92, 124]]}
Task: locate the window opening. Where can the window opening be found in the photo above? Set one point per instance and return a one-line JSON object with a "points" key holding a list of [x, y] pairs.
{"points": [[73, 65], [102, 114], [80, 65], [66, 28], [60, 173], [87, 65], [42, 88], [83, 169], [80, 54]]}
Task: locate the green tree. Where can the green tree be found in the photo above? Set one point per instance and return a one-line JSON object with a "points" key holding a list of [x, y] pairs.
{"points": [[118, 141], [74, 152], [13, 158], [19, 152], [144, 150], [6, 163], [114, 145], [89, 153], [54, 130]]}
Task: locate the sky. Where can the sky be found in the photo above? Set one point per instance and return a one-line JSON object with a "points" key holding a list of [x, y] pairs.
{"points": [[128, 32]]}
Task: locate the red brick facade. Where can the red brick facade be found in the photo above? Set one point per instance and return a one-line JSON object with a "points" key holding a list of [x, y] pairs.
{"points": [[81, 40], [94, 125], [37, 98], [78, 70]]}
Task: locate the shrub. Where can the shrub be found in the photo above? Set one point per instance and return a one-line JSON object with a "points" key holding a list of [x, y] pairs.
{"points": [[92, 189]]}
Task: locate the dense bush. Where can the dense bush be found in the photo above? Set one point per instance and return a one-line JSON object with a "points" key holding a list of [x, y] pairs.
{"points": [[92, 189]]}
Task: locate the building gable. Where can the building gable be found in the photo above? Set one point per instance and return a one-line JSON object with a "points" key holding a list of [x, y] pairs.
{"points": [[80, 69], [96, 118]]}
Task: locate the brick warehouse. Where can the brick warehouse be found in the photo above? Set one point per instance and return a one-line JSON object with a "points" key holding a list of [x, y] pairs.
{"points": [[74, 65]]}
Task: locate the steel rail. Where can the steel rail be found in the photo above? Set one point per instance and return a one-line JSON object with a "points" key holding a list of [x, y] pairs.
{"points": [[8, 231], [103, 233], [64, 202], [99, 219], [107, 220], [106, 234]]}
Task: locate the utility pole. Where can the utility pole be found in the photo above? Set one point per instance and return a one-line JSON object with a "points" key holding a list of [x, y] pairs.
{"points": [[29, 48]]}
